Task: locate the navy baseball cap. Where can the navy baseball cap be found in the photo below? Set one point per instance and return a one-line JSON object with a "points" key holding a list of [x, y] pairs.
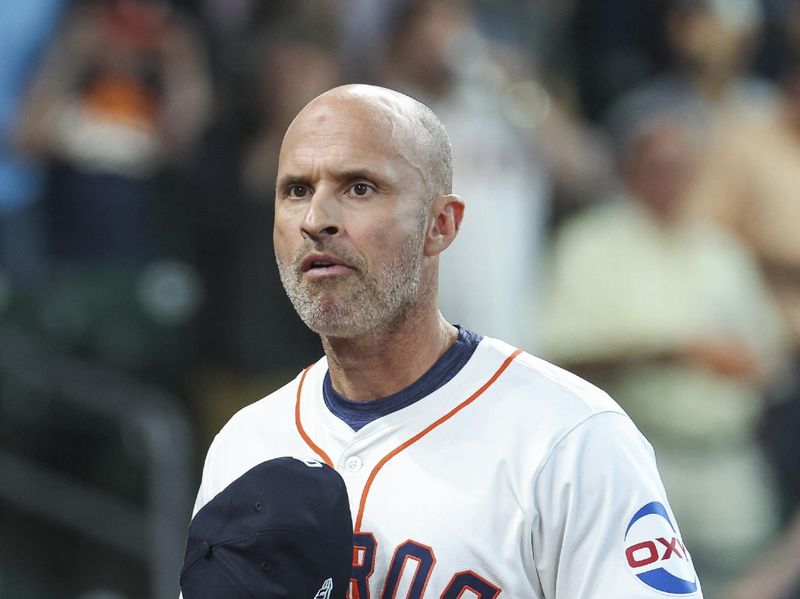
{"points": [[281, 530]]}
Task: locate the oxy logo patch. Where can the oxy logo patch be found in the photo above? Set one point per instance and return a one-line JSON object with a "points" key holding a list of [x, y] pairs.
{"points": [[656, 554]]}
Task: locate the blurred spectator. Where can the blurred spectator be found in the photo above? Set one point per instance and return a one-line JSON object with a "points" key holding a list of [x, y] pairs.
{"points": [[669, 315], [122, 98], [712, 44], [750, 186], [25, 30], [699, 48], [123, 94], [437, 55], [506, 126], [709, 46]]}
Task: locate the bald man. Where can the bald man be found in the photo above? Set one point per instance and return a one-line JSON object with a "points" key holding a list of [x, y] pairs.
{"points": [[473, 468]]}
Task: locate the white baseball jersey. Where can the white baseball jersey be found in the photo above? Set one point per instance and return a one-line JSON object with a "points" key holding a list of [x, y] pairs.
{"points": [[514, 479]]}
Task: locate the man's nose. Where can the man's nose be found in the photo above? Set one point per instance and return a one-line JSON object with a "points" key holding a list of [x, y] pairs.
{"points": [[322, 216]]}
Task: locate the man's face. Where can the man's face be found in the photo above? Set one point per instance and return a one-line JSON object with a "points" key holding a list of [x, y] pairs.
{"points": [[662, 169], [350, 213]]}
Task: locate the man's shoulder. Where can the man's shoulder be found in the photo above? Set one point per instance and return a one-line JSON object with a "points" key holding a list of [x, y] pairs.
{"points": [[544, 387], [533, 408], [540, 404]]}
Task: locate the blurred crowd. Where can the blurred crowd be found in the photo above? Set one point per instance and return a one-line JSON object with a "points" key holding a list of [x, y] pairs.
{"points": [[632, 178]]}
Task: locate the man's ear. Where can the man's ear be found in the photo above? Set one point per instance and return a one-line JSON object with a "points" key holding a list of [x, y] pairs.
{"points": [[446, 213]]}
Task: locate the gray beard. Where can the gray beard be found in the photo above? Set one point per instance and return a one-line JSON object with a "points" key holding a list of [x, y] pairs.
{"points": [[361, 303]]}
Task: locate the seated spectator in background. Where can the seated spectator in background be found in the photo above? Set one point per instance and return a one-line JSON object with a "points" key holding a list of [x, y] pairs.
{"points": [[669, 315], [750, 185], [711, 44]]}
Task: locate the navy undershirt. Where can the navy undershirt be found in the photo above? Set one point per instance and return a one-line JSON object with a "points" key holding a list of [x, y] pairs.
{"points": [[360, 413]]}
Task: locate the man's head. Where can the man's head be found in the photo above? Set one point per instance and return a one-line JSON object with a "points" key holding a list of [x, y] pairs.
{"points": [[713, 38], [363, 207], [658, 135]]}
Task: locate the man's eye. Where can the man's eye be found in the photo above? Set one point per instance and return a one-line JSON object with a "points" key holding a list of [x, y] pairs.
{"points": [[297, 191], [361, 189]]}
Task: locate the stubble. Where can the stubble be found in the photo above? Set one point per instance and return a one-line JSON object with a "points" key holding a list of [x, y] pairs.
{"points": [[361, 302]]}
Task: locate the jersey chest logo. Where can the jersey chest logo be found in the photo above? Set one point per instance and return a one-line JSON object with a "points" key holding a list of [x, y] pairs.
{"points": [[656, 554]]}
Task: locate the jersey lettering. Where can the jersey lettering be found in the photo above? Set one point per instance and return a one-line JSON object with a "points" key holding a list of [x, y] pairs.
{"points": [[637, 558], [363, 565], [671, 548], [409, 573], [636, 562], [469, 584], [399, 570]]}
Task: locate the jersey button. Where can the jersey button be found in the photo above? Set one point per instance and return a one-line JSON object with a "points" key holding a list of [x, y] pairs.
{"points": [[353, 463]]}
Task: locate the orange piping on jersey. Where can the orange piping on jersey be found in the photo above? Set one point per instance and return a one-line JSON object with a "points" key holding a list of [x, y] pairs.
{"points": [[299, 424], [424, 432]]}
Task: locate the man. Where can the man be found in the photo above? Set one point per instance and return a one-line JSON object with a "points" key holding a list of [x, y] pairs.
{"points": [[473, 469]]}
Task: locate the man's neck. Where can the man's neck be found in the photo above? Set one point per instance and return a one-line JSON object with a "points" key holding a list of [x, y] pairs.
{"points": [[384, 362]]}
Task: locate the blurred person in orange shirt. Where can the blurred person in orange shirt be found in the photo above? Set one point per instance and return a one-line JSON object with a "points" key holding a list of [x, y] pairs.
{"points": [[123, 94], [116, 110]]}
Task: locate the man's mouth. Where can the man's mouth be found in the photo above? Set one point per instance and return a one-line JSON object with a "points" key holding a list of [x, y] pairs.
{"points": [[318, 265]]}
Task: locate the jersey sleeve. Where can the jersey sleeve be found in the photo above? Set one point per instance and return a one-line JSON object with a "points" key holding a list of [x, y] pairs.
{"points": [[603, 527]]}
